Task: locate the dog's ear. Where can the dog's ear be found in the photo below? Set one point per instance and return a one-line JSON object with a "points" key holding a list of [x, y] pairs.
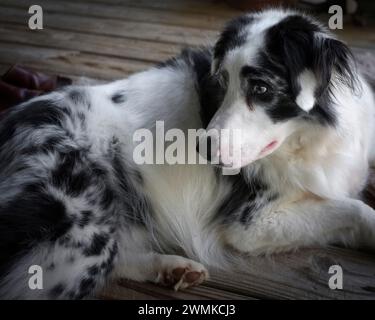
{"points": [[300, 44], [332, 62]]}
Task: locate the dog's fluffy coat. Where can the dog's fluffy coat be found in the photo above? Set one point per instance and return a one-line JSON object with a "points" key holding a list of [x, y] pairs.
{"points": [[73, 201]]}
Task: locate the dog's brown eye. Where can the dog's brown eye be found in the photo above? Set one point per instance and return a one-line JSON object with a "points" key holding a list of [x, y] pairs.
{"points": [[259, 89]]}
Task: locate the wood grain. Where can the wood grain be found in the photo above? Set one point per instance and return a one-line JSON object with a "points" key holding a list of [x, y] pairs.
{"points": [[127, 289], [216, 7], [88, 43], [299, 275], [120, 12], [118, 28], [69, 62]]}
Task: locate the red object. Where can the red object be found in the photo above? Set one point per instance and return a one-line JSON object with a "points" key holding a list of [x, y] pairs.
{"points": [[11, 95], [20, 84], [24, 78]]}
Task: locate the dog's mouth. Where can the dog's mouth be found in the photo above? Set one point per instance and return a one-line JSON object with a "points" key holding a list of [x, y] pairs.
{"points": [[217, 160], [268, 148]]}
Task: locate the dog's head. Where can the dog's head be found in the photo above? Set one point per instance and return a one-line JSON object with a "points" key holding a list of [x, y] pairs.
{"points": [[277, 69]]}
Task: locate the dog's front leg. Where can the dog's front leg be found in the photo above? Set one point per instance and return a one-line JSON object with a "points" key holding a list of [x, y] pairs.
{"points": [[137, 261], [305, 223]]}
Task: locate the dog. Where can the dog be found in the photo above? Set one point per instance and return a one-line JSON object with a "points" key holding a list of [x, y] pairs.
{"points": [[74, 203]]}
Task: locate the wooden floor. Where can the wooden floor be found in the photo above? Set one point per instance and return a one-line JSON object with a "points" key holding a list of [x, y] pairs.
{"points": [[110, 39], [105, 39]]}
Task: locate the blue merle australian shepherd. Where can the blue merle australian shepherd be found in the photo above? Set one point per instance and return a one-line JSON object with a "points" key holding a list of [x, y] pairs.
{"points": [[74, 202]]}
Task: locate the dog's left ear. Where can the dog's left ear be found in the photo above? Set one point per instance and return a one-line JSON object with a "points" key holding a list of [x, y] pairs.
{"points": [[300, 44], [332, 62]]}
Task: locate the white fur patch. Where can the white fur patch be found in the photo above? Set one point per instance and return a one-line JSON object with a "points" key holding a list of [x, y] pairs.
{"points": [[306, 98]]}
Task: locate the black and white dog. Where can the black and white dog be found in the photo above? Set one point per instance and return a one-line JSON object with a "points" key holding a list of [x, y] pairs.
{"points": [[73, 201]]}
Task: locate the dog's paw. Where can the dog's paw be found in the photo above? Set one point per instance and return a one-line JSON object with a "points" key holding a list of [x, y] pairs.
{"points": [[180, 273]]}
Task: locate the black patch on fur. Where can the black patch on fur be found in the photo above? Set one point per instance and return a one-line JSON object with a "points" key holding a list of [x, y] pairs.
{"points": [[93, 270], [232, 36], [136, 206], [199, 60], [33, 216], [86, 287], [51, 144], [246, 213], [211, 96], [71, 174], [98, 244], [211, 93], [38, 113], [57, 290], [33, 114], [107, 198], [240, 205], [107, 266], [119, 97], [85, 218], [98, 170], [79, 97], [284, 109]]}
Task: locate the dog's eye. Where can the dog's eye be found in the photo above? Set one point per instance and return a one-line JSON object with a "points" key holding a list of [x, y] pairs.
{"points": [[257, 89]]}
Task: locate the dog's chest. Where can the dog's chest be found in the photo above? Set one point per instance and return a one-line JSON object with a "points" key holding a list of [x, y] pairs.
{"points": [[184, 198]]}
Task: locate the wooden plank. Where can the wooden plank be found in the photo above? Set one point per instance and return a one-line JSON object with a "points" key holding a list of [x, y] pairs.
{"points": [[69, 62], [127, 289], [114, 291], [103, 10], [303, 275], [120, 29], [219, 8], [97, 44], [300, 275]]}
